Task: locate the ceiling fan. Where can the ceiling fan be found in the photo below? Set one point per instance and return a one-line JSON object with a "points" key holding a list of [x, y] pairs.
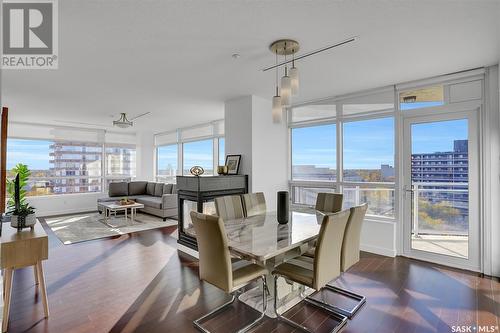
{"points": [[122, 122]]}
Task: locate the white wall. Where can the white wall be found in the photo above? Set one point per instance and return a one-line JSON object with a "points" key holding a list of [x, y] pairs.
{"points": [[146, 158], [269, 152], [238, 132]]}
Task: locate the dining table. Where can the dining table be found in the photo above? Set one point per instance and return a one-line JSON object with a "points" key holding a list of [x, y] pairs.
{"points": [[262, 240]]}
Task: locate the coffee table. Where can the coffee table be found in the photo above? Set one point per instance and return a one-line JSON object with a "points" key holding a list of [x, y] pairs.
{"points": [[112, 207]]}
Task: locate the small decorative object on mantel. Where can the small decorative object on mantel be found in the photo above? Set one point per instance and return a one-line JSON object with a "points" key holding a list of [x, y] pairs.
{"points": [[222, 170], [197, 170], [283, 207], [233, 164], [22, 214]]}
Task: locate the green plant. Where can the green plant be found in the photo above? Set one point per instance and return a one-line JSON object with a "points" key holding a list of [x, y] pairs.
{"points": [[24, 210], [24, 173]]}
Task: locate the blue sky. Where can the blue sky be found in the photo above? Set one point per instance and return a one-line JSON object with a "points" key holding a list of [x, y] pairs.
{"points": [[367, 144]]}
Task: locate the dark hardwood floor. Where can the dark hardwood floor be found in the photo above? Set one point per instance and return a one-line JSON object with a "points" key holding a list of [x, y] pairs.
{"points": [[139, 283]]}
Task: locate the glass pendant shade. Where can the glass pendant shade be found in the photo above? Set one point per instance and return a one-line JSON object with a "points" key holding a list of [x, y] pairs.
{"points": [[277, 109], [286, 90], [294, 77]]}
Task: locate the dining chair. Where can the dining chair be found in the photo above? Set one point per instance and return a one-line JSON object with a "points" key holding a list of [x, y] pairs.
{"points": [[229, 207], [326, 203], [329, 202], [326, 267], [350, 256], [254, 204], [215, 265]]}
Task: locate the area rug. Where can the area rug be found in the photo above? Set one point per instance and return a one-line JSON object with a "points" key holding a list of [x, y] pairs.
{"points": [[77, 228]]}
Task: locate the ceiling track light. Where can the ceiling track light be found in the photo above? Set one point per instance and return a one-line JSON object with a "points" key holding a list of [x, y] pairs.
{"points": [[290, 81]]}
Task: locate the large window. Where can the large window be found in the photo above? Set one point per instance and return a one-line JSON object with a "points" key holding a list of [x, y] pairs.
{"points": [[314, 153], [360, 164], [199, 153], [369, 150], [120, 162], [167, 165], [57, 167]]}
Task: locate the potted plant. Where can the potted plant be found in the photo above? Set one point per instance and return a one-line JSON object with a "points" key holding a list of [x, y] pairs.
{"points": [[22, 214]]}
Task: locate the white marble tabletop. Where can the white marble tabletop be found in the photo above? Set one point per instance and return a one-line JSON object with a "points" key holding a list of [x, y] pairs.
{"points": [[262, 237]]}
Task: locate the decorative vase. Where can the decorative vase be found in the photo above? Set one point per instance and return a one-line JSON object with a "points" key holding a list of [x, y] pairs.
{"points": [[20, 222], [283, 207], [222, 170]]}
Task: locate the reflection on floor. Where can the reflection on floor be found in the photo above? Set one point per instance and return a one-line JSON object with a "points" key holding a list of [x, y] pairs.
{"points": [[456, 246]]}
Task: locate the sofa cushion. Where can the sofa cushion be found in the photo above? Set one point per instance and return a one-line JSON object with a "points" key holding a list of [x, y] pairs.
{"points": [[174, 189], [158, 189], [114, 199], [150, 188], [137, 188], [154, 202], [118, 189], [167, 188], [169, 201]]}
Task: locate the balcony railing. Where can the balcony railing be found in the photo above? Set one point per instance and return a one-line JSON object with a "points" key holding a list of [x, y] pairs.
{"points": [[440, 208]]}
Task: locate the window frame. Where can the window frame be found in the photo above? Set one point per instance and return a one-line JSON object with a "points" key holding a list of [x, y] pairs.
{"points": [[103, 177], [339, 119]]}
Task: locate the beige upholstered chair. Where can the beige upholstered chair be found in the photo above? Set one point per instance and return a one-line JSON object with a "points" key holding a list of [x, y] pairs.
{"points": [[329, 202], [229, 207], [326, 266], [326, 203], [254, 204], [215, 264], [350, 256]]}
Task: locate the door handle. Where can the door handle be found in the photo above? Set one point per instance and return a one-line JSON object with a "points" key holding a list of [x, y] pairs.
{"points": [[407, 188]]}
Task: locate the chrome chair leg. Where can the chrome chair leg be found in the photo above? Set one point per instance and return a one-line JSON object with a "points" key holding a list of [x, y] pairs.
{"points": [[342, 319], [197, 322], [361, 300]]}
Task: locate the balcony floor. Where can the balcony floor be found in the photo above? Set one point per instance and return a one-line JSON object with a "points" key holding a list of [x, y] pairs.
{"points": [[451, 245]]}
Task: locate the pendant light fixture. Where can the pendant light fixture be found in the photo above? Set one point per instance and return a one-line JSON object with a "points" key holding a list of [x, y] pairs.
{"points": [[283, 96], [290, 81], [294, 76], [277, 108], [286, 88]]}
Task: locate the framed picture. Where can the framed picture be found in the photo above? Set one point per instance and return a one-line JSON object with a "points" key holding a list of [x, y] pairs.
{"points": [[233, 164]]}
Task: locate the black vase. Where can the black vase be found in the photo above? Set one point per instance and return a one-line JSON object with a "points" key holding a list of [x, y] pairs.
{"points": [[283, 207]]}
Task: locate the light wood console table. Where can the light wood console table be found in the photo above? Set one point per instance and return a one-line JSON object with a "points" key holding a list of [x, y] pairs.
{"points": [[21, 249]]}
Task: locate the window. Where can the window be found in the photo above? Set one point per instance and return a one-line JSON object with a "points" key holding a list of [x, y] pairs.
{"points": [[222, 149], [314, 153], [369, 150], [199, 153], [57, 167], [120, 162], [421, 98], [167, 166]]}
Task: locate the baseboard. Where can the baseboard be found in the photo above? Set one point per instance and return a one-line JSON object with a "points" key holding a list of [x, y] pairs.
{"points": [[383, 251]]}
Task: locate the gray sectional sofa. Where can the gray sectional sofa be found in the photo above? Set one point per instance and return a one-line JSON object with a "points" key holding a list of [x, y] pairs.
{"points": [[158, 199]]}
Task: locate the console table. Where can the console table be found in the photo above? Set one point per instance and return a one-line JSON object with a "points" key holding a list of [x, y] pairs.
{"points": [[21, 249], [198, 193]]}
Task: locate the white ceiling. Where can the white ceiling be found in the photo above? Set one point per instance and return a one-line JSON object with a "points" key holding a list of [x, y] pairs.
{"points": [[173, 58]]}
